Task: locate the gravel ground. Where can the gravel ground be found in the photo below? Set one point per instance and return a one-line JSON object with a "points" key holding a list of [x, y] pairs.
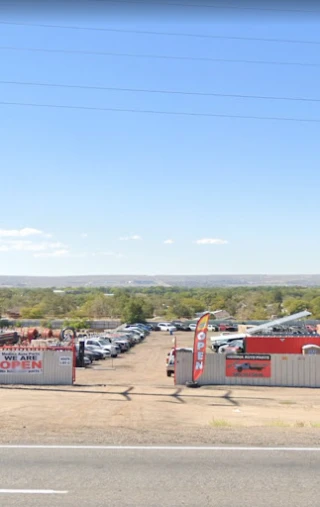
{"points": [[133, 402]]}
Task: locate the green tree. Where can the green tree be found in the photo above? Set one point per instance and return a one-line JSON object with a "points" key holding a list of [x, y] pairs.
{"points": [[294, 305], [135, 310], [77, 324], [36, 312], [277, 296], [182, 311]]}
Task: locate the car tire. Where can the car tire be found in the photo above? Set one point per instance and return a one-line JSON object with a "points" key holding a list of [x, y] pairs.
{"points": [[169, 373], [239, 369]]}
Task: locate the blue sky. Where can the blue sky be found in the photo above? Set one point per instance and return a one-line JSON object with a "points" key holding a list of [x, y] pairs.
{"points": [[100, 192]]}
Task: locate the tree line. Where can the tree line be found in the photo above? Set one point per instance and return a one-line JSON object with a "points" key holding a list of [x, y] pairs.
{"points": [[133, 304]]}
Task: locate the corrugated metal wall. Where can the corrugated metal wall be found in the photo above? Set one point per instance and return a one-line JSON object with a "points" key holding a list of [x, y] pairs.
{"points": [[279, 344], [290, 370], [57, 369]]}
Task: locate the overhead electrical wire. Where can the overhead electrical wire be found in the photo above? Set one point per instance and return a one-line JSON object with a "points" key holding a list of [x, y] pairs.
{"points": [[164, 113], [157, 91], [157, 57], [212, 6], [152, 32]]}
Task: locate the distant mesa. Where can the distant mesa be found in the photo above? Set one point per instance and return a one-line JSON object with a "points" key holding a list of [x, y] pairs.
{"points": [[59, 282]]}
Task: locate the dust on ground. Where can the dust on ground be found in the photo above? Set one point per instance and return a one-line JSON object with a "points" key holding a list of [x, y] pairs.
{"points": [[131, 401]]}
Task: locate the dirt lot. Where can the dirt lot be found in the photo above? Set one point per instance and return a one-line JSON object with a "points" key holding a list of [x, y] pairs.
{"points": [[133, 402]]}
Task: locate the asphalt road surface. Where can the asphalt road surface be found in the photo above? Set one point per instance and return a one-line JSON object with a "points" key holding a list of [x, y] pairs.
{"points": [[153, 477]]}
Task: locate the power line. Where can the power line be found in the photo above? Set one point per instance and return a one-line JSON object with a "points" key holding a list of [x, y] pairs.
{"points": [[157, 57], [212, 6], [150, 32], [165, 113], [188, 5], [165, 92]]}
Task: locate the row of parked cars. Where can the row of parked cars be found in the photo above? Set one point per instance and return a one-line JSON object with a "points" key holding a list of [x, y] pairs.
{"points": [[177, 325], [109, 344]]}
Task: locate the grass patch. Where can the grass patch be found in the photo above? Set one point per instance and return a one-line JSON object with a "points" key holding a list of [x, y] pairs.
{"points": [[219, 423], [277, 423], [315, 425], [287, 402], [300, 424]]}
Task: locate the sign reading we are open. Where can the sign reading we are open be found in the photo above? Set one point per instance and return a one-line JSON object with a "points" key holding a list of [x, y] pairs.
{"points": [[21, 361]]}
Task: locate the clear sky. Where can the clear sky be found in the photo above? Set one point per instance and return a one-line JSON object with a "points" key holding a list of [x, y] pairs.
{"points": [[103, 192]]}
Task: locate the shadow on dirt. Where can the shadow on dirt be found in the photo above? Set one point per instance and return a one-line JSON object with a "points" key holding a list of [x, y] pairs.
{"points": [[180, 395]]}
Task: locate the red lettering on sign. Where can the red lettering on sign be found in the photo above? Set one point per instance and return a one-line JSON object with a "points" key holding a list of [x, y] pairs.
{"points": [[36, 364]]}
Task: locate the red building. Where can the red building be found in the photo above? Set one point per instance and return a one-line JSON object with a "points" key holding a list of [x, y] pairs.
{"points": [[279, 344]]}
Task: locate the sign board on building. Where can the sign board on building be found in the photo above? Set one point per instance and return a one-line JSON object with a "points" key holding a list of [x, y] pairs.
{"points": [[28, 361], [248, 365], [65, 360]]}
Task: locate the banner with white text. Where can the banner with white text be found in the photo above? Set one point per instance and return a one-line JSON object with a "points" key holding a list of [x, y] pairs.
{"points": [[200, 346]]}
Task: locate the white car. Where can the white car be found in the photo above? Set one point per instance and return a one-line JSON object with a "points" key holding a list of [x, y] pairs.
{"points": [[233, 347], [102, 343], [136, 330], [170, 362], [166, 326], [211, 327]]}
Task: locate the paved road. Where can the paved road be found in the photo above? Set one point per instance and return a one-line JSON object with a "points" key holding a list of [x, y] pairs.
{"points": [[158, 478]]}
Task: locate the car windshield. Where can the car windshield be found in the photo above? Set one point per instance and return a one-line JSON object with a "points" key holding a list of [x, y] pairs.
{"points": [[103, 341]]}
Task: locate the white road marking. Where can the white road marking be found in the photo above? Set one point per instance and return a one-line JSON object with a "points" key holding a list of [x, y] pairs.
{"points": [[162, 448], [32, 492]]}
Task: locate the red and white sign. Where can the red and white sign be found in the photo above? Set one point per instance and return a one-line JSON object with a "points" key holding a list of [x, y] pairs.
{"points": [[248, 365], [200, 346], [24, 361]]}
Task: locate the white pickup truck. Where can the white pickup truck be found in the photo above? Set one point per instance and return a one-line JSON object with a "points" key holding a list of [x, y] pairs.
{"points": [[171, 359]]}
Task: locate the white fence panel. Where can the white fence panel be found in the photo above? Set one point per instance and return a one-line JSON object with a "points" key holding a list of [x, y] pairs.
{"points": [[29, 366], [290, 370]]}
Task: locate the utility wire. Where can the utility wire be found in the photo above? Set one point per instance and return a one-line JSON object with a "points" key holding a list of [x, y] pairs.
{"points": [[184, 5], [153, 91], [165, 113], [150, 32], [157, 57], [207, 6]]}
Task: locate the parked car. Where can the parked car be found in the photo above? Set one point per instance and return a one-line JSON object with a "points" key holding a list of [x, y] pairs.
{"points": [[154, 327], [86, 361], [170, 361], [140, 327], [234, 347], [213, 327], [136, 329], [226, 326], [87, 358], [97, 352], [122, 342], [185, 327], [128, 335], [177, 323], [166, 326], [104, 344]]}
